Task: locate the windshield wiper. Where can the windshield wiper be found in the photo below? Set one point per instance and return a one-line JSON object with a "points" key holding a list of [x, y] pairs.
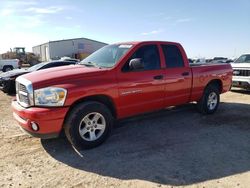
{"points": [[89, 64]]}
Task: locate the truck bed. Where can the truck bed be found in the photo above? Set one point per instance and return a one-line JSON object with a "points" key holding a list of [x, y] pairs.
{"points": [[203, 73]]}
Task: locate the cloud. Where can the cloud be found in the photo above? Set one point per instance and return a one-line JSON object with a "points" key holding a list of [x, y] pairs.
{"points": [[10, 7], [23, 3], [47, 10], [19, 38], [183, 20], [154, 32], [157, 14], [168, 18], [6, 12], [68, 18], [32, 21]]}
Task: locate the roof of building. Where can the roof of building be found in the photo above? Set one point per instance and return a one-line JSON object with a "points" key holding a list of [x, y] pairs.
{"points": [[68, 40]]}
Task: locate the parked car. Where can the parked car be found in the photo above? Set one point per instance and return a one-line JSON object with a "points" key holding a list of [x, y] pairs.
{"points": [[7, 79], [9, 64], [241, 72], [229, 61], [190, 60], [115, 82], [69, 59], [219, 60], [200, 61]]}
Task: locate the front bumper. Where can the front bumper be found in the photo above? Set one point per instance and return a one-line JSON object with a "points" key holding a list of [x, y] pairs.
{"points": [[49, 120], [241, 82]]}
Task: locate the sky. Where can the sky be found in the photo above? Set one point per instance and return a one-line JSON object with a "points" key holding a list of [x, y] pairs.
{"points": [[205, 28]]}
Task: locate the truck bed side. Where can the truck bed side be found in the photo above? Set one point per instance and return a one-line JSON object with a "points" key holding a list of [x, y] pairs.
{"points": [[203, 74]]}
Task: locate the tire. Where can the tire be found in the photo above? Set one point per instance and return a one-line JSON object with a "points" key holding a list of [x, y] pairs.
{"points": [[6, 87], [88, 125], [9, 87], [210, 100], [7, 68]]}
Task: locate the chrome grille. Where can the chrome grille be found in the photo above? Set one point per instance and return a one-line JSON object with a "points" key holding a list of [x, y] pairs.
{"points": [[240, 72], [24, 92], [22, 88]]}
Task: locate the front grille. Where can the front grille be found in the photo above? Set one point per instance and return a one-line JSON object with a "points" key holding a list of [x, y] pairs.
{"points": [[24, 92], [23, 97], [22, 88], [240, 72]]}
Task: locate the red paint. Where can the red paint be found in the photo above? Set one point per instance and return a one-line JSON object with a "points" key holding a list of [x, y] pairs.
{"points": [[50, 120], [150, 94]]}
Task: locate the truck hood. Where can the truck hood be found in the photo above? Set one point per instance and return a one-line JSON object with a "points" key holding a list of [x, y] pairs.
{"points": [[61, 75], [240, 65]]}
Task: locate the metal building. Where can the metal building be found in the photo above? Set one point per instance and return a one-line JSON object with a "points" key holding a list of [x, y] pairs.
{"points": [[76, 48]]}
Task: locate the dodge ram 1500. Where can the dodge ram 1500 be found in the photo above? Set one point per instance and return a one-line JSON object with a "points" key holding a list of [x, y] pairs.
{"points": [[115, 82]]}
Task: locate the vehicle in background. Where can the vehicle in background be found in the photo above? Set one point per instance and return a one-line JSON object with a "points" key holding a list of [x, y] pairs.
{"points": [[209, 60], [241, 72], [200, 61], [219, 60], [115, 82], [7, 79], [190, 60], [69, 59], [229, 61], [20, 54], [9, 64]]}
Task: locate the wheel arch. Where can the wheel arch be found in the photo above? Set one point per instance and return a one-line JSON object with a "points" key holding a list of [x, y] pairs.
{"points": [[104, 99], [6, 66], [217, 83]]}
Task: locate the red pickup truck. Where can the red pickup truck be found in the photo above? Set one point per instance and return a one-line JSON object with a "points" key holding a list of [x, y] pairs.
{"points": [[117, 81]]}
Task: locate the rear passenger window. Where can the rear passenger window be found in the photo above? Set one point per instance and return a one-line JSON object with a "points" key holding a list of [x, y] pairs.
{"points": [[173, 56]]}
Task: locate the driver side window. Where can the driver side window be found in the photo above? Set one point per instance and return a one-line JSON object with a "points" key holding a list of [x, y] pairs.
{"points": [[149, 57]]}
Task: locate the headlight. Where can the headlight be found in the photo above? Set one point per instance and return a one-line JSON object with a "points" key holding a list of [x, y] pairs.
{"points": [[50, 96]]}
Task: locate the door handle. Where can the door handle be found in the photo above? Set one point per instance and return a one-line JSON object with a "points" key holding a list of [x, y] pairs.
{"points": [[185, 74], [158, 77]]}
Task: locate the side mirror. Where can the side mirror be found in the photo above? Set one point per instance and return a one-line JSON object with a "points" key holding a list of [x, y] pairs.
{"points": [[136, 64]]}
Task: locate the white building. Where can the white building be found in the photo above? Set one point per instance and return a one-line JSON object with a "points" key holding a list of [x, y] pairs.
{"points": [[76, 48]]}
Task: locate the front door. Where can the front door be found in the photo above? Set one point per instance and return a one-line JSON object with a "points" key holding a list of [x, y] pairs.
{"points": [[142, 90]]}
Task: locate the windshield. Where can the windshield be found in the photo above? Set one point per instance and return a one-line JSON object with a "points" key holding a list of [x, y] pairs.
{"points": [[36, 67], [107, 56], [243, 59]]}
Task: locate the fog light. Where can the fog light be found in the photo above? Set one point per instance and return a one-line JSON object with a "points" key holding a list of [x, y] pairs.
{"points": [[34, 126]]}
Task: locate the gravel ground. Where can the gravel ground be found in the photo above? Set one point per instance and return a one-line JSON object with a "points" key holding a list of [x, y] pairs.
{"points": [[176, 147]]}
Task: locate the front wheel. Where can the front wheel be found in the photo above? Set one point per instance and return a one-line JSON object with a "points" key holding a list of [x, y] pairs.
{"points": [[6, 87], [88, 125], [210, 100]]}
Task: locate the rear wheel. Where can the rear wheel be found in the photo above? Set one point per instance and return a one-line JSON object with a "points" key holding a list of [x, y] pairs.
{"points": [[210, 100], [88, 125]]}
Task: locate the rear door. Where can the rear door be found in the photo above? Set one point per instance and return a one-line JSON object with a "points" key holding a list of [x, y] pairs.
{"points": [[178, 75], [142, 91]]}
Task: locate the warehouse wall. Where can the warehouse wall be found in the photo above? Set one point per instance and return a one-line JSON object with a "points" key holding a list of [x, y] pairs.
{"points": [[74, 46], [42, 51]]}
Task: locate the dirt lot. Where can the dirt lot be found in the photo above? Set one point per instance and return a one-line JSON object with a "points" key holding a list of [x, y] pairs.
{"points": [[175, 147]]}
